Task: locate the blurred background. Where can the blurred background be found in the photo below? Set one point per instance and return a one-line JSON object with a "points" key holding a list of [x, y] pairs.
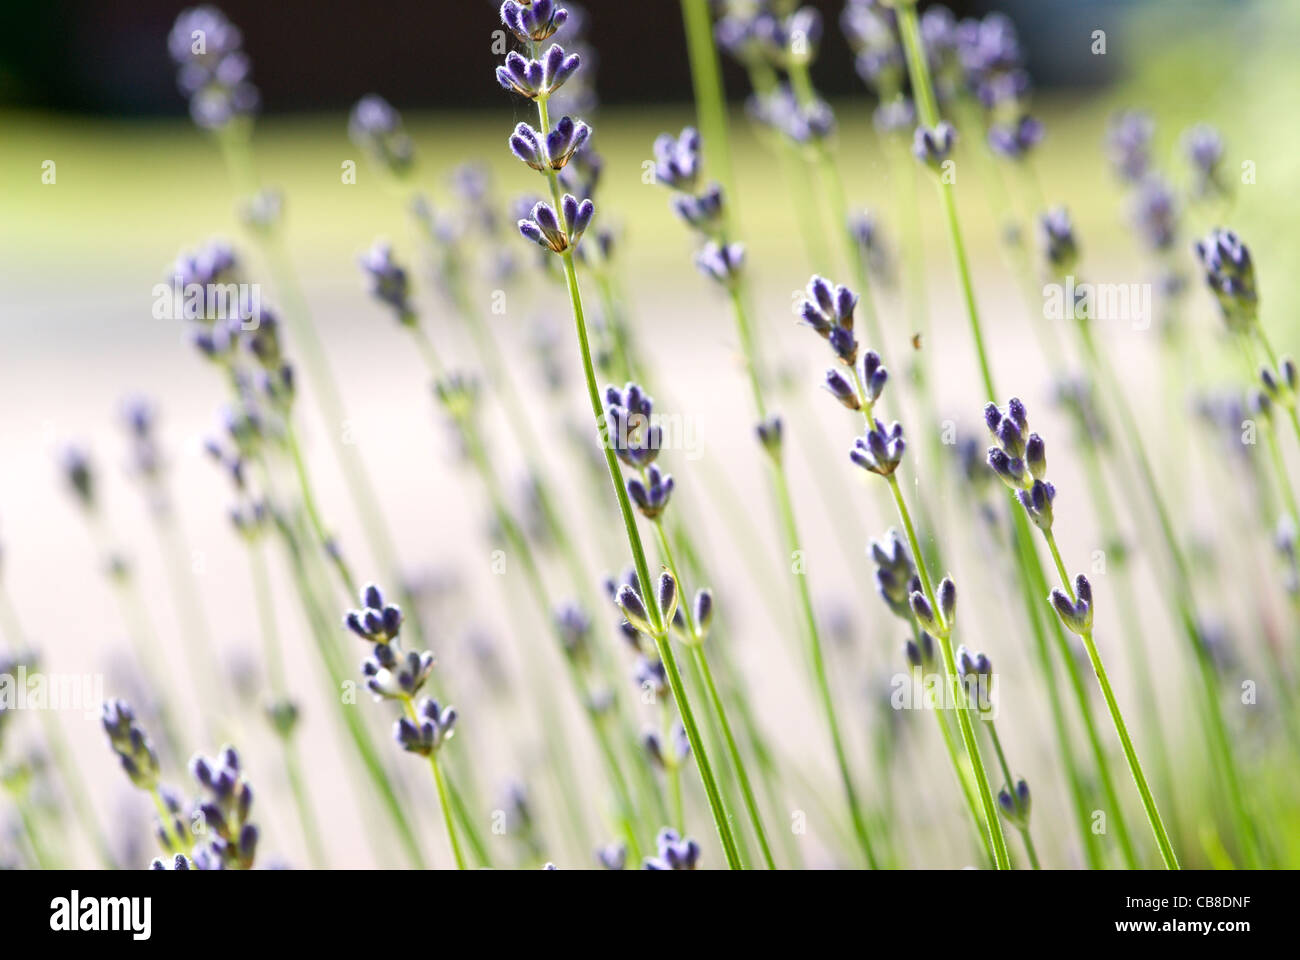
{"points": [[89, 88]]}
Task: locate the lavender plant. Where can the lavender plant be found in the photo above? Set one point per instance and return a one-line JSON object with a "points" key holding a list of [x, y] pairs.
{"points": [[558, 227], [1020, 460], [396, 674], [829, 312]]}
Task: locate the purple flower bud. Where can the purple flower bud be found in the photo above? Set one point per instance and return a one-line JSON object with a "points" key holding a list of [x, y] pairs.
{"points": [[839, 387]]}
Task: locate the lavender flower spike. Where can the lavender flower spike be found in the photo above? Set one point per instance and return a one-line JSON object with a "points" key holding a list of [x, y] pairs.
{"points": [[377, 128], [130, 743], [389, 283], [533, 21], [1059, 245], [1230, 274]]}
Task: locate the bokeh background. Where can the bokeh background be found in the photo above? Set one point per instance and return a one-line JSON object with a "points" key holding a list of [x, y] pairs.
{"points": [[90, 87]]}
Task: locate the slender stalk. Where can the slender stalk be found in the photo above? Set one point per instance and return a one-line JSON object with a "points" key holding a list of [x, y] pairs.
{"points": [[1264, 342], [710, 95], [1180, 596], [279, 691], [323, 537], [992, 823], [673, 772], [336, 673], [785, 508], [408, 704], [174, 841], [954, 757], [57, 743], [1112, 705], [1031, 568], [696, 645], [198, 643], [519, 543], [634, 537], [1006, 775]]}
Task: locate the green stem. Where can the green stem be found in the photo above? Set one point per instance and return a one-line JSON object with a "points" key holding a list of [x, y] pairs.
{"points": [[279, 692], [439, 779], [698, 751], [323, 537], [1130, 754], [992, 823], [954, 757], [710, 95], [696, 645], [1180, 596], [408, 705], [519, 543], [336, 673], [1011, 787]]}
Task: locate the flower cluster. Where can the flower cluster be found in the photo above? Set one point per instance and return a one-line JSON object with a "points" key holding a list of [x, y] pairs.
{"points": [[432, 726], [1204, 148], [828, 310], [1020, 459], [377, 128], [933, 145], [802, 122], [1015, 805], [228, 798], [1060, 249], [871, 29], [1128, 141], [389, 282], [395, 674], [629, 601], [993, 61], [896, 578], [670, 756], [880, 450], [652, 494], [1076, 614], [131, 744], [633, 434], [212, 69], [1230, 275], [538, 79], [976, 672], [533, 21], [938, 622], [551, 151], [79, 474], [1280, 386], [675, 852], [678, 163]]}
